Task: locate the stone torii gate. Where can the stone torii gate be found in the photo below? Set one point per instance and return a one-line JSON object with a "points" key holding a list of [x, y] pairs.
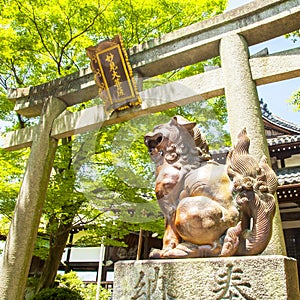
{"points": [[228, 35]]}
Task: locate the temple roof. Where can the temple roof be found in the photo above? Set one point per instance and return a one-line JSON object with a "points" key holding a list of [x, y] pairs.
{"points": [[287, 144], [275, 141], [288, 175], [284, 146], [276, 122], [283, 139]]}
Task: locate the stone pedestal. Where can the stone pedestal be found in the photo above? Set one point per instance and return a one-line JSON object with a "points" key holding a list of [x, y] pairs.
{"points": [[252, 277]]}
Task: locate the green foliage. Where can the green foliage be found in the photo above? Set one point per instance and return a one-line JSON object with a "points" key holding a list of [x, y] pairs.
{"points": [[4, 225], [68, 286], [294, 36], [295, 101], [6, 107], [101, 181], [12, 165], [42, 245], [73, 282], [57, 294], [70, 280], [52, 35]]}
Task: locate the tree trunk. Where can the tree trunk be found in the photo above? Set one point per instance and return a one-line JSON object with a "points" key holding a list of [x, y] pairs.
{"points": [[56, 251]]}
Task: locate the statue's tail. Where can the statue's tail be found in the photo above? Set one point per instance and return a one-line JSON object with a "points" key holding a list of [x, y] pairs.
{"points": [[253, 187], [257, 219]]}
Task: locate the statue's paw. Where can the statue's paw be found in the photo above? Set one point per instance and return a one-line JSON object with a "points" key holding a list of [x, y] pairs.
{"points": [[189, 250], [156, 253], [242, 201], [175, 253], [180, 251], [229, 248], [231, 241], [168, 252]]}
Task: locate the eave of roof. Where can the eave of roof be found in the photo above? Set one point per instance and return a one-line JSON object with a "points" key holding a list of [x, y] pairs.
{"points": [[283, 140], [278, 122], [290, 142], [288, 175]]}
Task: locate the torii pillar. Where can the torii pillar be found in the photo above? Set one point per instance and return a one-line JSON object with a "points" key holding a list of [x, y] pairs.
{"points": [[244, 111], [17, 254]]}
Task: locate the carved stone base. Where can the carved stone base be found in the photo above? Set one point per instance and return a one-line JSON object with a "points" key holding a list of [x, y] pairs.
{"points": [[246, 277]]}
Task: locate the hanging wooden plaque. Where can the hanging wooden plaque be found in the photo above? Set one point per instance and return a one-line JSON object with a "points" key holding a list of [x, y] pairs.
{"points": [[113, 74]]}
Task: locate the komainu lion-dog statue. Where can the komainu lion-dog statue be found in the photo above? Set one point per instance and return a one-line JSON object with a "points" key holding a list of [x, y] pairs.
{"points": [[210, 209]]}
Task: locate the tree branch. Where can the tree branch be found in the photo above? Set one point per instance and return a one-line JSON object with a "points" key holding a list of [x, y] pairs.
{"points": [[72, 38], [82, 223]]}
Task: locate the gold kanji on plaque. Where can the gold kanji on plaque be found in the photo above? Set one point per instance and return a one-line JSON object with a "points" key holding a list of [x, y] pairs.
{"points": [[113, 74]]}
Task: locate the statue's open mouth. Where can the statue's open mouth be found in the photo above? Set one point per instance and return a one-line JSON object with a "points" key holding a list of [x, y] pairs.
{"points": [[152, 141]]}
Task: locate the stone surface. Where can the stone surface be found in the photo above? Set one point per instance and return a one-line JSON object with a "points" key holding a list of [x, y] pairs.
{"points": [[268, 69], [251, 277]]}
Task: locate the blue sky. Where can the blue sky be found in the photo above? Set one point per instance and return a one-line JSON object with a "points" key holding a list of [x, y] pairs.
{"points": [[275, 94]]}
